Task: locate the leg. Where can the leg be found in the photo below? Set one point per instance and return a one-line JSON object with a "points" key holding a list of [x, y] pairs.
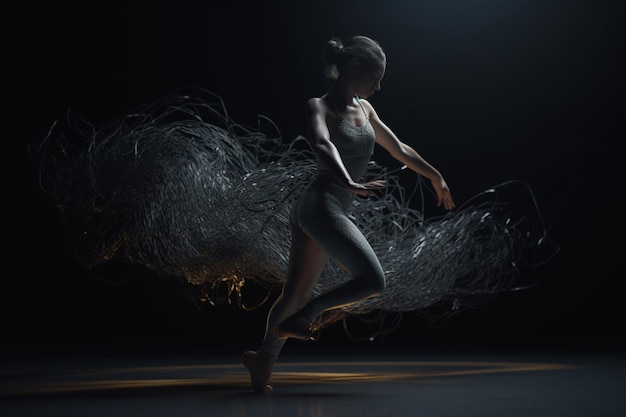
{"points": [[346, 244], [306, 263]]}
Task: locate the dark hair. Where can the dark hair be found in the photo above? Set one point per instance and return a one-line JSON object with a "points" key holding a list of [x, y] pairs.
{"points": [[337, 54]]}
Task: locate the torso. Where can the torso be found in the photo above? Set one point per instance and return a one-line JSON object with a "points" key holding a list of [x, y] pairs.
{"points": [[353, 136]]}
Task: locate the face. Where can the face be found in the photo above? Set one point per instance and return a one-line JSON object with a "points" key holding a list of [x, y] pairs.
{"points": [[367, 79]]}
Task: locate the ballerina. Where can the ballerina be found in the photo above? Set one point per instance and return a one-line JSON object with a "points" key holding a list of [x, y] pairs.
{"points": [[343, 130]]}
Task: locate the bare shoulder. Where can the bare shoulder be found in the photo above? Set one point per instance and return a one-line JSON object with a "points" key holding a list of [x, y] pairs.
{"points": [[316, 102], [369, 109], [316, 105]]}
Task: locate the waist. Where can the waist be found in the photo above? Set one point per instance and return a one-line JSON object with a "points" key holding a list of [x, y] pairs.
{"points": [[356, 165]]}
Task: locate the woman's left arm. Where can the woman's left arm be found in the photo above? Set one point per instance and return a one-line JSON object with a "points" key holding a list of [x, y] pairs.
{"points": [[404, 153]]}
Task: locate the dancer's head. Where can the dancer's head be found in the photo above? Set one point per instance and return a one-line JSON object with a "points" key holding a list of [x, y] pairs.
{"points": [[359, 61]]}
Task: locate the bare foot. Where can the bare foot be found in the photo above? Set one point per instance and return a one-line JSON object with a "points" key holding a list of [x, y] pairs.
{"points": [[259, 365], [297, 326]]}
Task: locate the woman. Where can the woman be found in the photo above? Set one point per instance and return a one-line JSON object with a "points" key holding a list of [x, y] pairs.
{"points": [[343, 129]]}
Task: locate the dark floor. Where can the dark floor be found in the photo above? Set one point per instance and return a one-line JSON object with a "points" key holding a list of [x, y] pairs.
{"points": [[317, 384]]}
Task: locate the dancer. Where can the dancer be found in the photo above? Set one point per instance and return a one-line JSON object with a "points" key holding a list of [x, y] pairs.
{"points": [[343, 130]]}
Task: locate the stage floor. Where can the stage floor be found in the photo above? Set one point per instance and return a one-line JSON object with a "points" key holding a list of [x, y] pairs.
{"points": [[317, 385]]}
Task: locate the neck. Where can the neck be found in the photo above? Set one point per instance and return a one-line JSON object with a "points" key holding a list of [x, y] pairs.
{"points": [[340, 97]]}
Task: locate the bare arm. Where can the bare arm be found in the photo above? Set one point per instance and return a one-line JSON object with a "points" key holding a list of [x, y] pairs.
{"points": [[404, 153], [327, 152]]}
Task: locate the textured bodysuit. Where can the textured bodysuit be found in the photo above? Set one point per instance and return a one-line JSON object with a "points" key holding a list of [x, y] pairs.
{"points": [[322, 211], [322, 214]]}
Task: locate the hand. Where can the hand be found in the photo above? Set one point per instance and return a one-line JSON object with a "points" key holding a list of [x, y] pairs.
{"points": [[366, 189], [444, 196]]}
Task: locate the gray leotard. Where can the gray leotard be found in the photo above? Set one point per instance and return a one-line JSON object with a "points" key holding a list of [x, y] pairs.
{"points": [[355, 145], [322, 210]]}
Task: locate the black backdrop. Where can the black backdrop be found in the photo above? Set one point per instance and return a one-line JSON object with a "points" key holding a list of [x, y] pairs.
{"points": [[489, 91]]}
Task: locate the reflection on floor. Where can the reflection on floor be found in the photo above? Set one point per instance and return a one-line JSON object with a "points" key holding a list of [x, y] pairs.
{"points": [[316, 386]]}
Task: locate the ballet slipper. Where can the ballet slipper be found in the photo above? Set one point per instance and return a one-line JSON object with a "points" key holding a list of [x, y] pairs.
{"points": [[259, 365], [297, 326]]}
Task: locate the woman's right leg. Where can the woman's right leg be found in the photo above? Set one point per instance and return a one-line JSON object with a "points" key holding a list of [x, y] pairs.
{"points": [[333, 230]]}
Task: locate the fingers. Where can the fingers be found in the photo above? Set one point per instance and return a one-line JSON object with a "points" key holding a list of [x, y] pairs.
{"points": [[445, 199], [375, 184]]}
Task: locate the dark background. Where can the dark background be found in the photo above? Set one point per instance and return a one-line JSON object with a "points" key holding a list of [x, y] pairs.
{"points": [[488, 91]]}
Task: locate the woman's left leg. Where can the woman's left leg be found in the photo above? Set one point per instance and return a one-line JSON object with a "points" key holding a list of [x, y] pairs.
{"points": [[306, 263]]}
